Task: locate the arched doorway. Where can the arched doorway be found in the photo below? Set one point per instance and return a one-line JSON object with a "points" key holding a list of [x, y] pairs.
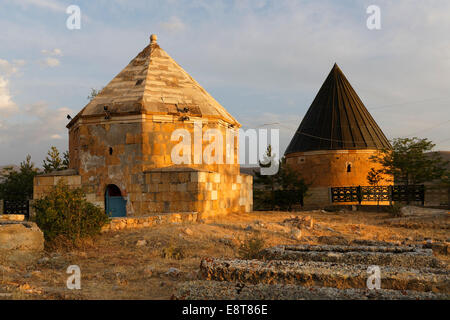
{"points": [[115, 204]]}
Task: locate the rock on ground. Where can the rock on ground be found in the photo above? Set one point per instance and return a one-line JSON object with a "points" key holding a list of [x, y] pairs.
{"points": [[18, 236]]}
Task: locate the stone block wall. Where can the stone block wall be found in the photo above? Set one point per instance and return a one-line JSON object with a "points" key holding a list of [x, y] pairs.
{"points": [[317, 197], [43, 184], [436, 195], [188, 190], [246, 192], [329, 168], [169, 190], [133, 151], [149, 221], [118, 150]]}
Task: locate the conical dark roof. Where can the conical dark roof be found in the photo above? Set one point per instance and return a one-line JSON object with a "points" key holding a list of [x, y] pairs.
{"points": [[337, 120]]}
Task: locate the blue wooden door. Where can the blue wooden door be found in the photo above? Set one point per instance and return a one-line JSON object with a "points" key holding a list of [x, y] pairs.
{"points": [[115, 205]]}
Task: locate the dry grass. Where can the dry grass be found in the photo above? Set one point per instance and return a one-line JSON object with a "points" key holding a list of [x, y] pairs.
{"points": [[113, 267]]}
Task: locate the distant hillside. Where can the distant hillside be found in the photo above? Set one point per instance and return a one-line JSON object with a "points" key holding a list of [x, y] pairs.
{"points": [[445, 156], [9, 166], [2, 168]]}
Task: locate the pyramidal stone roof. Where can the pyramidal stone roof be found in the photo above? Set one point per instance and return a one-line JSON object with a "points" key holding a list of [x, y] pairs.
{"points": [[153, 83], [337, 120]]}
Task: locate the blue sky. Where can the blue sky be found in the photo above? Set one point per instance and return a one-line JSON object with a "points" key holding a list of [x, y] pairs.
{"points": [[264, 61]]}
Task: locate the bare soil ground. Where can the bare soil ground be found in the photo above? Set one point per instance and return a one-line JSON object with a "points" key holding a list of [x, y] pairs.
{"points": [[119, 265]]}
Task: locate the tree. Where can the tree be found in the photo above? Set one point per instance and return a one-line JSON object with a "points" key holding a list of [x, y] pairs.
{"points": [[374, 177], [267, 182], [54, 162], [410, 161], [18, 185], [65, 161], [283, 189], [292, 187]]}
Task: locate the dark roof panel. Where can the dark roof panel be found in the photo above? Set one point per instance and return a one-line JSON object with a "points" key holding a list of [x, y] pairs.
{"points": [[337, 120]]}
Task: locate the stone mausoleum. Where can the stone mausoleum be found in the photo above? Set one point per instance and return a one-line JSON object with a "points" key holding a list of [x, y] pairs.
{"points": [[335, 140], [120, 145]]}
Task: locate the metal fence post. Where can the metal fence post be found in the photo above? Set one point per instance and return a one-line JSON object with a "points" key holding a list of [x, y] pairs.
{"points": [[358, 194]]}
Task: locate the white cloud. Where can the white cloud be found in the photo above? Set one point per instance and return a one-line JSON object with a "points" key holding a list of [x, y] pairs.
{"points": [[53, 5], [54, 52], [8, 69], [7, 106], [19, 62], [174, 24], [51, 62], [40, 128]]}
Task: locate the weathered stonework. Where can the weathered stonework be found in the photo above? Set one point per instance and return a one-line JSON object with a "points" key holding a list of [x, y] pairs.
{"points": [[323, 274], [398, 256], [328, 168], [221, 290], [122, 138], [149, 221], [335, 140]]}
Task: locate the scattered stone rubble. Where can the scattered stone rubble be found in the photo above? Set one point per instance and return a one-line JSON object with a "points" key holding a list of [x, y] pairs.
{"points": [[300, 222]]}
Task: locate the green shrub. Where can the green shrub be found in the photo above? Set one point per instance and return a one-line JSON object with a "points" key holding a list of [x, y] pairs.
{"points": [[64, 213], [395, 210], [252, 247], [173, 252]]}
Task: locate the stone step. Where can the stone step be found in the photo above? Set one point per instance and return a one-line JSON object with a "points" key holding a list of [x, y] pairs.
{"points": [[222, 290], [12, 217], [323, 274], [398, 256]]}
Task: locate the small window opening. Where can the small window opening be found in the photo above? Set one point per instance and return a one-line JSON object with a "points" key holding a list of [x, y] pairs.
{"points": [[349, 167], [139, 82], [110, 151]]}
